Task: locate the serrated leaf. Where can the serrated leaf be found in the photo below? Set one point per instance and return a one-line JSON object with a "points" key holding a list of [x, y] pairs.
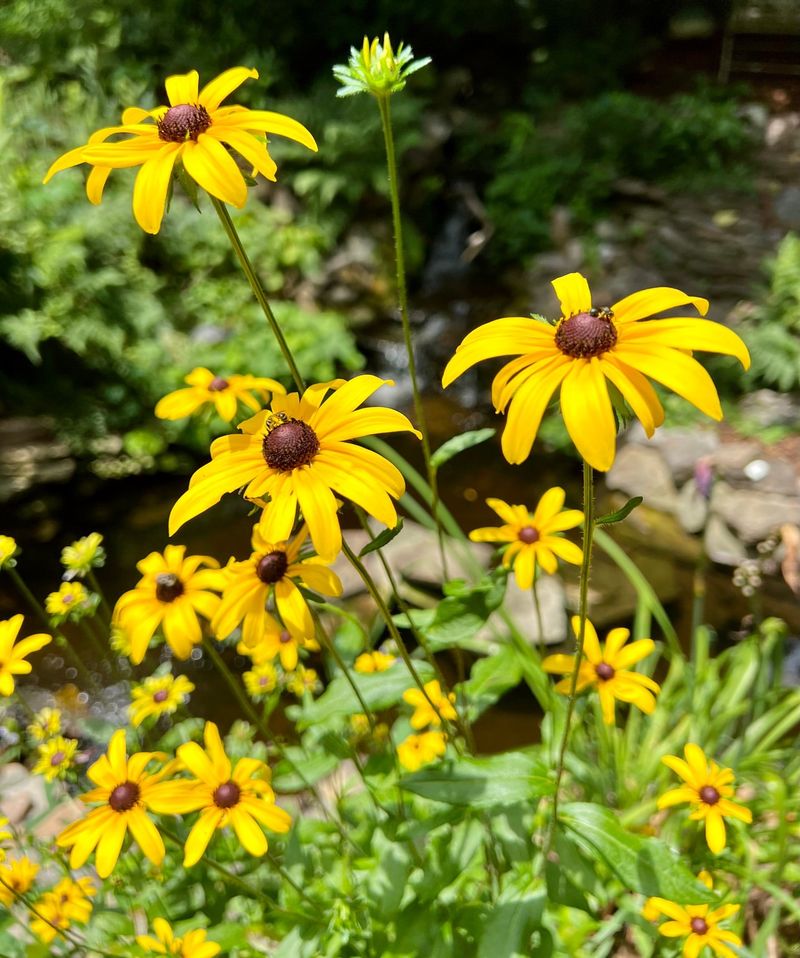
{"points": [[458, 444], [483, 782], [644, 865], [621, 513], [384, 538]]}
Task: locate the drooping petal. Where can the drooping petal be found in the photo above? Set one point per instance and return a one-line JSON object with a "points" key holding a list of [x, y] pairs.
{"points": [[200, 835], [95, 184], [292, 607], [264, 121], [528, 406], [523, 569], [248, 832], [178, 404], [564, 549], [110, 845], [212, 167], [648, 302], [588, 415], [146, 836], [510, 336], [318, 505], [715, 831], [636, 391], [222, 475], [573, 293], [694, 334], [150, 188], [677, 796], [214, 92], [254, 152]]}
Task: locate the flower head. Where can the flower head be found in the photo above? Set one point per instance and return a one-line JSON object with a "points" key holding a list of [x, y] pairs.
{"points": [[589, 347], [298, 454], [72, 599], [376, 68], [302, 681], [46, 724], [608, 668], [375, 661], [260, 680], [275, 641], [5, 834], [195, 131], [240, 797], [18, 875], [13, 654], [124, 790], [193, 944], [159, 695], [171, 594], [84, 555], [8, 549], [697, 924], [708, 789], [419, 750], [54, 757], [62, 905], [431, 706], [532, 538], [224, 393]]}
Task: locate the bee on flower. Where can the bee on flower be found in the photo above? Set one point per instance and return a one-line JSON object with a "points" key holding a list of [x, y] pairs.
{"points": [[222, 393], [85, 554], [13, 654], [422, 749], [192, 944], [159, 695], [55, 758]]}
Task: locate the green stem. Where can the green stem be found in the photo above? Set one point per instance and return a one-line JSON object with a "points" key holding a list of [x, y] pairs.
{"points": [[258, 290], [96, 587], [538, 606], [402, 295], [586, 567]]}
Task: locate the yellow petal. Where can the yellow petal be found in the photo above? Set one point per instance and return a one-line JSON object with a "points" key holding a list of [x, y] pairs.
{"points": [[591, 644], [146, 836], [110, 845], [587, 413], [264, 121], [248, 832], [182, 88], [694, 334], [715, 831], [635, 652], [150, 188], [318, 505], [573, 293], [214, 92], [636, 391], [549, 505], [528, 406], [648, 302], [677, 796], [564, 549], [510, 336], [178, 404], [200, 835], [211, 166], [254, 152], [95, 183]]}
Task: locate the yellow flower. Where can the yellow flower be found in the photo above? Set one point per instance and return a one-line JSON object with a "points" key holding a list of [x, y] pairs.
{"points": [[302, 680], [170, 594], [260, 680], [62, 905], [192, 945], [298, 454], [588, 346], [697, 924], [241, 797], [46, 723], [375, 661], [5, 834], [70, 597], [532, 536], [12, 657], [271, 571], [419, 750], [55, 757], [225, 394], [125, 790], [18, 875], [8, 549], [609, 669], [708, 789], [193, 130], [84, 554], [158, 695], [120, 641], [275, 641], [431, 706]]}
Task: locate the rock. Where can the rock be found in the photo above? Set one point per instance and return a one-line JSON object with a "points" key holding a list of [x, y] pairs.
{"points": [[753, 515], [721, 544], [69, 811], [520, 607], [731, 458], [642, 471], [692, 509], [787, 207], [773, 475], [21, 793], [765, 407], [681, 448]]}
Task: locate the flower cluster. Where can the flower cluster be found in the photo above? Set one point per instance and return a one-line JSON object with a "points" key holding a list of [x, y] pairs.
{"points": [[431, 707]]}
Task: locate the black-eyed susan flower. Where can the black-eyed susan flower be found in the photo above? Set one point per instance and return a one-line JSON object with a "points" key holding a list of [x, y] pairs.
{"points": [[430, 706], [273, 571], [532, 538], [84, 554], [588, 348], [419, 750], [13, 654], [60, 907], [70, 600], [375, 661], [124, 791], [697, 924], [302, 681], [8, 549], [46, 723], [224, 393], [260, 680], [171, 594], [275, 641], [159, 695], [18, 875], [240, 797], [54, 758], [608, 668], [298, 455], [192, 944], [708, 789], [194, 130]]}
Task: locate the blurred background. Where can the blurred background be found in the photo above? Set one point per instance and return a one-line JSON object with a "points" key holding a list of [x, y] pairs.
{"points": [[642, 144]]}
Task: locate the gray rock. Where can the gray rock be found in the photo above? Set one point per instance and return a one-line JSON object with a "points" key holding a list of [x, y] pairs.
{"points": [[787, 207], [520, 608], [776, 475], [692, 509], [731, 459], [22, 794], [765, 407], [642, 471], [721, 544], [681, 448], [753, 515]]}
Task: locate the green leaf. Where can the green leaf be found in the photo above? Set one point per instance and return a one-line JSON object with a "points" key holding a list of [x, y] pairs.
{"points": [[490, 679], [644, 865], [387, 879], [287, 778], [510, 924], [381, 540], [622, 513], [458, 444], [483, 782]]}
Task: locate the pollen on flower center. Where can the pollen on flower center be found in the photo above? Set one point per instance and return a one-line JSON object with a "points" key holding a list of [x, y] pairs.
{"points": [[709, 795], [227, 795], [272, 567], [183, 122], [587, 334], [124, 797], [699, 926], [218, 384], [168, 587], [528, 535], [604, 671], [290, 445], [160, 696]]}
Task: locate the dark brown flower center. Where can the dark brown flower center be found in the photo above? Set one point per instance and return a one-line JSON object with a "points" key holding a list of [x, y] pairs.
{"points": [[183, 122], [604, 671], [227, 795], [290, 445], [168, 587], [124, 797], [699, 926], [272, 567], [57, 759], [528, 535], [217, 384], [160, 696], [709, 795], [587, 334], [284, 637]]}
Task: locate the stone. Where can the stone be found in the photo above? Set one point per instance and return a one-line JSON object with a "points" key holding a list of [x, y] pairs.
{"points": [[642, 471], [766, 407], [69, 811], [520, 608], [774, 475], [721, 544], [681, 448], [732, 458], [22, 794], [750, 514], [692, 509], [787, 207]]}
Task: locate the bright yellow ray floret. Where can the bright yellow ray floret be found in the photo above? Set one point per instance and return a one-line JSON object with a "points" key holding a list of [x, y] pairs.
{"points": [[13, 654], [223, 393], [697, 924]]}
